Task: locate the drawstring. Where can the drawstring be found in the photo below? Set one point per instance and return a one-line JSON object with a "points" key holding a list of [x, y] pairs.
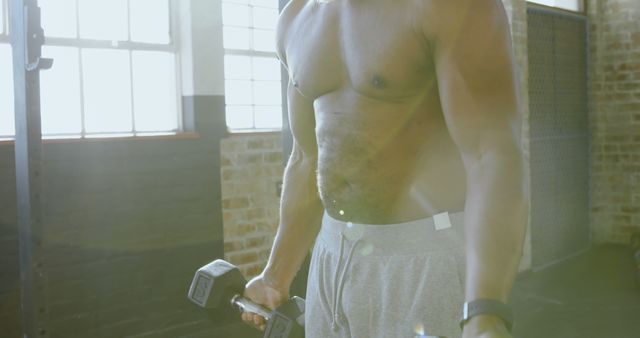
{"points": [[334, 311], [339, 285]]}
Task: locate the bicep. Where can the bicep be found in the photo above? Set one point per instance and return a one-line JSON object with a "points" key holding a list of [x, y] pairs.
{"points": [[476, 78]]}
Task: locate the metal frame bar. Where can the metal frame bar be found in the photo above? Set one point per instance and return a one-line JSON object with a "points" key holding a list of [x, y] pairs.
{"points": [[27, 40], [229, 51], [130, 54], [83, 130], [174, 34], [102, 44]]}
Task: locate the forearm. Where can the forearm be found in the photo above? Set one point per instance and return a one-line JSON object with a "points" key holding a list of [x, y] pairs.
{"points": [[300, 217], [496, 219]]}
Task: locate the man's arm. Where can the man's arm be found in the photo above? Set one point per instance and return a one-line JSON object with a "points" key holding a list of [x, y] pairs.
{"points": [[300, 213], [300, 208], [476, 77]]}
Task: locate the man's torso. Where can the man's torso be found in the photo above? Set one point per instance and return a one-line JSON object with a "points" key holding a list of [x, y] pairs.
{"points": [[384, 153]]}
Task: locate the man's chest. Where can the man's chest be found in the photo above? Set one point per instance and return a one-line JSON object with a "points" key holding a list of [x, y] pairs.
{"points": [[375, 50]]}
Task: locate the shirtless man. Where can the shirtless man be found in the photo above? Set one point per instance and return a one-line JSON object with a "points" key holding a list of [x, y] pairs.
{"points": [[400, 111]]}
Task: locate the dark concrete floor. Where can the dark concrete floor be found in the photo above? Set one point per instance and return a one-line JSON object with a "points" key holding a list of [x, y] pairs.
{"points": [[594, 295]]}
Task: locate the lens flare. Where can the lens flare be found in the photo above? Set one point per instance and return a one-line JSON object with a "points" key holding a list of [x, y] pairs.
{"points": [[366, 249], [419, 330], [353, 232], [421, 333]]}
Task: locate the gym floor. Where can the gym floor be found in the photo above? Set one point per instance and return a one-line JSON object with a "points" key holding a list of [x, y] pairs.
{"points": [[593, 295]]}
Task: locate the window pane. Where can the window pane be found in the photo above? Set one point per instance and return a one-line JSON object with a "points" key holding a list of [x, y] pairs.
{"points": [[103, 20], [7, 117], [239, 117], [266, 3], [264, 40], [59, 18], [268, 117], [238, 92], [573, 5], [244, 2], [236, 38], [107, 90], [236, 15], [266, 68], [267, 93], [150, 21], [60, 92], [253, 83], [265, 18], [237, 67], [154, 91]]}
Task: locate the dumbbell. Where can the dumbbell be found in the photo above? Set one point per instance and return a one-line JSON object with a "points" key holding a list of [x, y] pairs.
{"points": [[220, 282]]}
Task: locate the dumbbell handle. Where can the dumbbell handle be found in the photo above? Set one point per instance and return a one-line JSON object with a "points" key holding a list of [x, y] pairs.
{"points": [[245, 305]]}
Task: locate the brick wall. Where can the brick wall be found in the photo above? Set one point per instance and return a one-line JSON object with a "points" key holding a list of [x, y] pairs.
{"points": [[252, 167], [615, 118]]}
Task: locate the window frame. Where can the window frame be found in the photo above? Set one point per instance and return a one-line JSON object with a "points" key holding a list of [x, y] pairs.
{"points": [[172, 47], [582, 4], [251, 53], [4, 35]]}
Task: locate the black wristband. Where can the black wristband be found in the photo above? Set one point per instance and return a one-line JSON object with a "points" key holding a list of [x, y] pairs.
{"points": [[487, 307]]}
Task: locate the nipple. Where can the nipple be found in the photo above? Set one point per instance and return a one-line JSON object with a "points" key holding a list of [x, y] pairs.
{"points": [[377, 81]]}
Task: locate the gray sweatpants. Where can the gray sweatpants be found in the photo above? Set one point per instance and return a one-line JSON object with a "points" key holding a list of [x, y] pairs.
{"points": [[386, 281]]}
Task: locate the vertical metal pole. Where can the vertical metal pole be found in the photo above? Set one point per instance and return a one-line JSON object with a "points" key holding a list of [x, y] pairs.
{"points": [[27, 39]]}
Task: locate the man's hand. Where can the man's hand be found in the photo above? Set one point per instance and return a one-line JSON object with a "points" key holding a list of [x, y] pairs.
{"points": [[485, 327], [260, 291]]}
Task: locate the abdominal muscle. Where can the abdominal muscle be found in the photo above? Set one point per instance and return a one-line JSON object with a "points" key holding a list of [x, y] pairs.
{"points": [[382, 162]]}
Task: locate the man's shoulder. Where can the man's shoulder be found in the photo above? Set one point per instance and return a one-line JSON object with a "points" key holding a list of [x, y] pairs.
{"points": [[440, 16], [287, 14], [446, 8]]}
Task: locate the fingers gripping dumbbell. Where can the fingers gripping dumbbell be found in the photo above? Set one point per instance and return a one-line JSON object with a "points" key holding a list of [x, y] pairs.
{"points": [[219, 283]]}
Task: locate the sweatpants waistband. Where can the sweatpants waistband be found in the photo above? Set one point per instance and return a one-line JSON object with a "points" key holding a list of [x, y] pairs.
{"points": [[441, 232]]}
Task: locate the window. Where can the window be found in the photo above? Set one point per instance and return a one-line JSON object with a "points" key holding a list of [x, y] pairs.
{"points": [[114, 70], [252, 71], [572, 5]]}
